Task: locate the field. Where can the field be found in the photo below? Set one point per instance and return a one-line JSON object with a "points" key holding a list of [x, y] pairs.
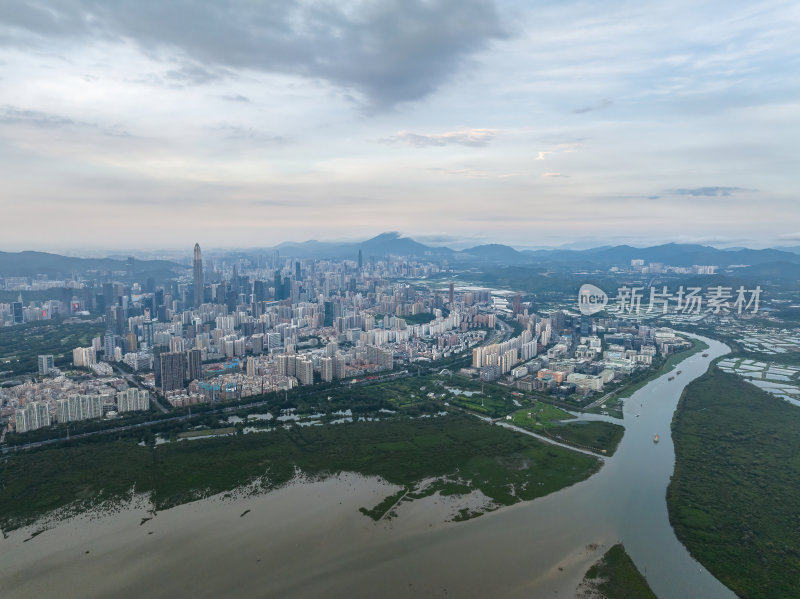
{"points": [[459, 450], [734, 497]]}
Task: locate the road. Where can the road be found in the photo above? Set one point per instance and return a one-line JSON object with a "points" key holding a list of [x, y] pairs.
{"points": [[546, 439]]}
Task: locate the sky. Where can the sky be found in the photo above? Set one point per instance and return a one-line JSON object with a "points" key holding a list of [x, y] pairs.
{"points": [[148, 124]]}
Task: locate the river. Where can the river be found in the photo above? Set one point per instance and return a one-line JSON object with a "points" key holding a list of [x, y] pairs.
{"points": [[309, 539]]}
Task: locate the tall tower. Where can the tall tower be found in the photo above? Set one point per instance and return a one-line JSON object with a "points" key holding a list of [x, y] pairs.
{"points": [[198, 276], [452, 295]]}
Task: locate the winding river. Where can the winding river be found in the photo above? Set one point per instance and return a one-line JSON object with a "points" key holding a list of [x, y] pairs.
{"points": [[309, 539]]}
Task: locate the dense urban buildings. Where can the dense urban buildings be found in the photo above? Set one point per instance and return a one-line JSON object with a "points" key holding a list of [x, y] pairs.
{"points": [[271, 322]]}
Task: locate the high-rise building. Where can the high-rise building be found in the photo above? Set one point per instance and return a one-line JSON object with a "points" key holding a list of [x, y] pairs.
{"points": [[452, 295], [194, 369], [83, 356], [109, 342], [17, 313], [173, 370], [198, 276], [45, 364], [79, 407], [34, 415], [326, 369], [132, 400], [305, 372]]}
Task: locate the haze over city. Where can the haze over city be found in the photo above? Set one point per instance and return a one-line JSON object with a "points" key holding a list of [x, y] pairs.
{"points": [[457, 122]]}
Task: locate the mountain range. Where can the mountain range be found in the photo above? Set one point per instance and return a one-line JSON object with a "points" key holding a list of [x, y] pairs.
{"points": [[394, 244], [56, 266]]}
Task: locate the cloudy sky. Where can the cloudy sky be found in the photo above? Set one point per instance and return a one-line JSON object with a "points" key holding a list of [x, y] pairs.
{"points": [[144, 123]]}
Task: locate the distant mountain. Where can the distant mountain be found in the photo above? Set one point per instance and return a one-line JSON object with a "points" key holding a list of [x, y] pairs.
{"points": [[395, 244], [55, 266], [795, 249], [688, 254], [495, 252], [385, 244]]}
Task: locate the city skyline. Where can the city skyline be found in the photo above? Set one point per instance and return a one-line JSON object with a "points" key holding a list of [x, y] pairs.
{"points": [[458, 123]]}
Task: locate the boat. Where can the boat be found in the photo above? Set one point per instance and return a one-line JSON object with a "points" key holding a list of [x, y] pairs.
{"points": [[655, 439], [705, 355], [672, 378], [679, 372]]}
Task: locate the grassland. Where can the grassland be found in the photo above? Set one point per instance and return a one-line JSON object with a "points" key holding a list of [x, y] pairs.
{"points": [[615, 576], [464, 453], [733, 499], [597, 436], [600, 437]]}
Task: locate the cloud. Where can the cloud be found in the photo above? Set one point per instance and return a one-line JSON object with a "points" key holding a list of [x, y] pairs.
{"points": [[462, 172], [237, 132], [13, 115], [235, 98], [193, 74], [709, 192], [463, 137], [390, 51], [555, 175], [604, 104], [559, 149], [790, 236]]}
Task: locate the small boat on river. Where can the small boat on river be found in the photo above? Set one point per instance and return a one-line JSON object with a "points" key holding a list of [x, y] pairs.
{"points": [[655, 439]]}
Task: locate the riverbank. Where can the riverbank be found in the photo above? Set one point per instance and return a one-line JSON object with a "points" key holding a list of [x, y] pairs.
{"points": [[733, 498], [614, 577], [461, 452]]}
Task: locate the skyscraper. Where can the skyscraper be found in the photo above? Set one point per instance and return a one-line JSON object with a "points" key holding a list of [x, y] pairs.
{"points": [[194, 369], [173, 370], [198, 276]]}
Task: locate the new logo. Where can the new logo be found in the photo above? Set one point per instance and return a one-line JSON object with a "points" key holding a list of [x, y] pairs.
{"points": [[591, 299]]}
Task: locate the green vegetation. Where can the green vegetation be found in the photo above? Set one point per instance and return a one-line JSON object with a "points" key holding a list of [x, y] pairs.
{"points": [[600, 437], [505, 466], [423, 318], [615, 576], [734, 495], [21, 344], [209, 432], [379, 511], [541, 415], [433, 390]]}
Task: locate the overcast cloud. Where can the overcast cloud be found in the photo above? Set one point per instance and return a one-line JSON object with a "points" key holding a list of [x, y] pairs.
{"points": [[259, 122]]}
